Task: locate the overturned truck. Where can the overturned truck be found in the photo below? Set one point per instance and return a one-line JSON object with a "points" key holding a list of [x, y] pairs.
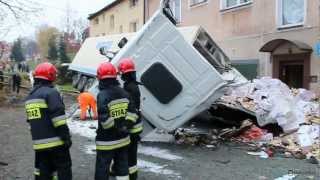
{"points": [[183, 71]]}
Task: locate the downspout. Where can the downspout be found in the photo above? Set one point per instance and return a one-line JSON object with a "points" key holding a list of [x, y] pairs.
{"points": [[145, 6]]}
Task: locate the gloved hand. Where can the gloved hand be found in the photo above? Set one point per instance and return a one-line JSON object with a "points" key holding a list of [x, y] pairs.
{"points": [[128, 124], [124, 129], [67, 142], [124, 126]]}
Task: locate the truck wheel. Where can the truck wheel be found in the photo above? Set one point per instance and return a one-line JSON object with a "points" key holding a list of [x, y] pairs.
{"points": [[89, 83], [82, 83], [75, 80]]}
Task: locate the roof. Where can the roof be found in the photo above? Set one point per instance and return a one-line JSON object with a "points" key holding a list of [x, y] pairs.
{"points": [[107, 7], [274, 44]]}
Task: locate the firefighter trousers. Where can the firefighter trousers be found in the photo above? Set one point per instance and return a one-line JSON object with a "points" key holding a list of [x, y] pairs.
{"points": [[133, 156], [53, 160], [103, 161], [37, 170]]}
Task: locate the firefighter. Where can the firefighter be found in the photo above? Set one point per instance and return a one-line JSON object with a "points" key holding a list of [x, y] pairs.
{"points": [[127, 70], [50, 133], [116, 115], [87, 102]]}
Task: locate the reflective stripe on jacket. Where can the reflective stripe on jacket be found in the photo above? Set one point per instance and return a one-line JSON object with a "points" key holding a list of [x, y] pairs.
{"points": [[46, 115], [114, 110], [134, 95]]}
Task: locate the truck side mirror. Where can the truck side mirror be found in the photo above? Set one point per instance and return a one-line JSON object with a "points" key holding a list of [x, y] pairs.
{"points": [[103, 51], [109, 54], [122, 42]]}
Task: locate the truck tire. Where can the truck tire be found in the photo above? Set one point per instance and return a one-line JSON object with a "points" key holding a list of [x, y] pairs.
{"points": [[75, 80], [89, 83], [82, 83]]}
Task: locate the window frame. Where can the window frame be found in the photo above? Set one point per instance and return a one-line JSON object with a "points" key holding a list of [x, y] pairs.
{"points": [[239, 4], [178, 21], [131, 26], [133, 3], [279, 15], [112, 21], [120, 29], [96, 20], [191, 5]]}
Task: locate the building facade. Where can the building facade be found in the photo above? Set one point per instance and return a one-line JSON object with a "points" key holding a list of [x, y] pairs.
{"points": [[278, 38], [119, 16]]}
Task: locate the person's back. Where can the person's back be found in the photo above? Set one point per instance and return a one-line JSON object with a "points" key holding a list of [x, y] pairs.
{"points": [[86, 100], [48, 125], [116, 116]]}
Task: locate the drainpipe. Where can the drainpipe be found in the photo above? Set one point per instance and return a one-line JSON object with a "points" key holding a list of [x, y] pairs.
{"points": [[145, 8]]}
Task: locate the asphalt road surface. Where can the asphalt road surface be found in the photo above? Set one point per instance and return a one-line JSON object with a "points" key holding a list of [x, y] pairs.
{"points": [[157, 161]]}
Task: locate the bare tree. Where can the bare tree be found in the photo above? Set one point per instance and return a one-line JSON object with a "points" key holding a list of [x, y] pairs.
{"points": [[79, 27], [72, 23], [18, 8], [16, 12]]}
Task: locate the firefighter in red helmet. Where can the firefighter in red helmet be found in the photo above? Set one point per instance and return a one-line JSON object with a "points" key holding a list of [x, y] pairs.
{"points": [[127, 70], [116, 115], [50, 133]]}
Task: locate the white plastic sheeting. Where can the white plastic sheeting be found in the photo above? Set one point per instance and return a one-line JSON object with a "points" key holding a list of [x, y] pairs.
{"points": [[275, 102]]}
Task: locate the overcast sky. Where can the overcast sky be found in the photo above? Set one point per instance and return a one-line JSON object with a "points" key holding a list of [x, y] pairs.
{"points": [[53, 14]]}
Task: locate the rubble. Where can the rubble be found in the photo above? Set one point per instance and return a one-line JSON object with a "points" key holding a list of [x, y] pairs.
{"points": [[295, 111], [274, 102]]}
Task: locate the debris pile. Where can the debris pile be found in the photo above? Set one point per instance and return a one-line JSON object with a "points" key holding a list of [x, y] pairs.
{"points": [[274, 102], [296, 112]]}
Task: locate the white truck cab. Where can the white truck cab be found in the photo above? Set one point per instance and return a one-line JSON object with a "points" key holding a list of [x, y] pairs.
{"points": [[183, 71]]}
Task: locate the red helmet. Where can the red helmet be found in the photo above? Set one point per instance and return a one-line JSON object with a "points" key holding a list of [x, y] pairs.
{"points": [[126, 65], [106, 70], [45, 71]]}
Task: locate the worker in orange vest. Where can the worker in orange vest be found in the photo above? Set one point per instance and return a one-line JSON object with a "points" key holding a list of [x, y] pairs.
{"points": [[87, 101]]}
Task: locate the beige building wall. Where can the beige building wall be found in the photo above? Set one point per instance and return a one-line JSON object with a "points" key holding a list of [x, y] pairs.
{"points": [[242, 31], [124, 15]]}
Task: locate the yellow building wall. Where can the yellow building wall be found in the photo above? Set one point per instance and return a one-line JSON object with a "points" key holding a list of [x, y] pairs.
{"points": [[123, 16]]}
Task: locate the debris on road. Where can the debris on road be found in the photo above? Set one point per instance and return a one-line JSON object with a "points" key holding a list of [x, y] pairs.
{"points": [[261, 154], [274, 102], [286, 177], [286, 124]]}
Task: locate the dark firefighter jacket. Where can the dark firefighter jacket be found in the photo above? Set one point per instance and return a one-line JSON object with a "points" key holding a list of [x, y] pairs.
{"points": [[115, 113], [132, 88], [46, 115]]}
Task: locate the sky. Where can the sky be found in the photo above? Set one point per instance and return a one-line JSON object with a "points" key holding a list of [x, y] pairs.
{"points": [[53, 13]]}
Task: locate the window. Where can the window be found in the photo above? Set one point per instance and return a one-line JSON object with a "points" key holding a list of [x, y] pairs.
{"points": [[120, 29], [162, 84], [175, 6], [133, 26], [228, 4], [111, 22], [103, 17], [133, 3], [96, 20], [291, 12], [197, 2]]}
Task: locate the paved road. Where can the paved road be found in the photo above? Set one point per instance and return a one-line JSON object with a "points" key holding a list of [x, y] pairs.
{"points": [[157, 161]]}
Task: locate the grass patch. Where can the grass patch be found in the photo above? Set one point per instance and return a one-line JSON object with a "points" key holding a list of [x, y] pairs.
{"points": [[66, 87]]}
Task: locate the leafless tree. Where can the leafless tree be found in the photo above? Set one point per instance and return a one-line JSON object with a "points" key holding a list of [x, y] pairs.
{"points": [[18, 8], [16, 12]]}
